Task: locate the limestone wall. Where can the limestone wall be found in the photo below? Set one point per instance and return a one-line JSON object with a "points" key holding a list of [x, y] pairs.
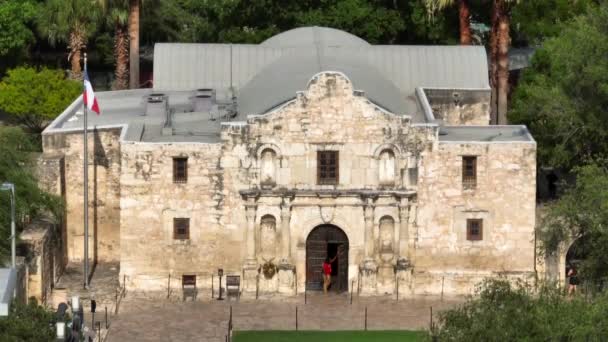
{"points": [[460, 107], [104, 191], [43, 256], [149, 202], [504, 198]]}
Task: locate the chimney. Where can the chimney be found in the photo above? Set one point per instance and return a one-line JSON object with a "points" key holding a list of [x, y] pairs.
{"points": [[203, 100], [157, 104]]}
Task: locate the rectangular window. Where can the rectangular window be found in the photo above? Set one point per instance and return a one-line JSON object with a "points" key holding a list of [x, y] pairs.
{"points": [[469, 172], [327, 167], [413, 176], [474, 229], [181, 228], [180, 170], [188, 280]]}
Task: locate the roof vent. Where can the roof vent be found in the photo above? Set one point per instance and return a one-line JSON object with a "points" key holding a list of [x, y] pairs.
{"points": [[157, 104], [203, 100]]}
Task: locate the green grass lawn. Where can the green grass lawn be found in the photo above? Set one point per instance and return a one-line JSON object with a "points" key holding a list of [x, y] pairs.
{"points": [[328, 336]]}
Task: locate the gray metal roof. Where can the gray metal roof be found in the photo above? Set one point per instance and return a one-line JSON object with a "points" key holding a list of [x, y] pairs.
{"points": [[264, 76], [313, 35], [229, 68], [279, 81], [514, 133]]}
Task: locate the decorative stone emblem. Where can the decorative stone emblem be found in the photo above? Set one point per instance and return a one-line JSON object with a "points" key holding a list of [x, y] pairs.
{"points": [[327, 213]]}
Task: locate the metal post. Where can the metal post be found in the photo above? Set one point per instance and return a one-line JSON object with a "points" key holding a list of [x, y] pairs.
{"points": [[86, 189], [212, 289], [305, 294], [352, 284], [397, 281], [10, 187], [106, 317], [296, 318], [366, 318], [431, 327], [442, 280], [92, 319], [13, 230], [168, 285]]}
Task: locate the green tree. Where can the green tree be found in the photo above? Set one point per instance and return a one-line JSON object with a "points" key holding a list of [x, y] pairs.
{"points": [[116, 15], [71, 22], [33, 97], [365, 19], [30, 322], [16, 35], [16, 166], [563, 97], [501, 311], [538, 20], [582, 212]]}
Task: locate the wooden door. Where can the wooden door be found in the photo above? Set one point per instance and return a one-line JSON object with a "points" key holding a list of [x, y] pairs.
{"points": [[342, 281], [316, 252]]}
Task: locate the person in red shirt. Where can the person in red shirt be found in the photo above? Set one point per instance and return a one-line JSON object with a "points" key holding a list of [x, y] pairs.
{"points": [[327, 272]]}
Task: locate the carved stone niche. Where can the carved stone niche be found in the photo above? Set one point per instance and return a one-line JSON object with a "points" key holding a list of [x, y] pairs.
{"points": [[386, 250], [386, 168], [268, 168], [268, 238]]}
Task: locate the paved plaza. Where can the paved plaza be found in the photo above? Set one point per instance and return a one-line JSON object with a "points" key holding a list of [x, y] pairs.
{"points": [[153, 317], [146, 319]]}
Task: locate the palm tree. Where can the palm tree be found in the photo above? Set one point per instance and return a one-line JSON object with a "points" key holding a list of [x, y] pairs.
{"points": [[464, 16], [501, 21], [71, 22], [134, 7], [116, 14]]}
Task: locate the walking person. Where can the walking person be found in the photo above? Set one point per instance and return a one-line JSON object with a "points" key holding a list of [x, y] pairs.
{"points": [[327, 272], [573, 280]]}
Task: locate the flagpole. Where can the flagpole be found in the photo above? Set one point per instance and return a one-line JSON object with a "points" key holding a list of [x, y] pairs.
{"points": [[86, 191]]}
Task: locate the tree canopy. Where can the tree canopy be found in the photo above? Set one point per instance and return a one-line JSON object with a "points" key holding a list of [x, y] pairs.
{"points": [[16, 18], [16, 166], [30, 322], [563, 97], [35, 97], [502, 311]]}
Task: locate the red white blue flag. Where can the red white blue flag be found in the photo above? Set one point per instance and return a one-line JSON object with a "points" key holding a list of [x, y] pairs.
{"points": [[89, 96]]}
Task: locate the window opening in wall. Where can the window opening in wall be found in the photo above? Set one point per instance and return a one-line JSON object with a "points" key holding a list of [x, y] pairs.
{"points": [[188, 280], [469, 172], [327, 167], [180, 170], [181, 228], [413, 176], [474, 229]]}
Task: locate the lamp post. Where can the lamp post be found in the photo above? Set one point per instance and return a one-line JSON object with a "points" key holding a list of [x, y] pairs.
{"points": [[11, 188], [220, 273]]}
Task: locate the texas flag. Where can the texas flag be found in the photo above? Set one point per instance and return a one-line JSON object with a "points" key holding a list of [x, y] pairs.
{"points": [[89, 96]]}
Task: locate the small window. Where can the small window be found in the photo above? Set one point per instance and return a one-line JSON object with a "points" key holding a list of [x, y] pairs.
{"points": [[180, 170], [188, 280], [474, 229], [469, 172], [181, 228], [327, 167], [413, 176]]}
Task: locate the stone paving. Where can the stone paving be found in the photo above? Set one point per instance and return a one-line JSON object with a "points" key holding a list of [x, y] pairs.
{"points": [[147, 319]]}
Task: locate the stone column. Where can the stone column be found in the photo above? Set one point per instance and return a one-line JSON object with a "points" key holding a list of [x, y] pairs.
{"points": [[286, 268], [368, 214], [368, 270], [404, 217], [250, 266], [286, 231]]}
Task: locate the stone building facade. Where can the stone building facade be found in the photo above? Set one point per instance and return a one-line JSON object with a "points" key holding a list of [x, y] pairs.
{"points": [[292, 159]]}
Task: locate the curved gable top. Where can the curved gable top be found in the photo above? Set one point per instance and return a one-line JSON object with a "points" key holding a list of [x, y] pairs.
{"points": [[306, 36]]}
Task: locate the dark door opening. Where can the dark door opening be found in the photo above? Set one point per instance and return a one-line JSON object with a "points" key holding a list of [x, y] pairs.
{"points": [[327, 241]]}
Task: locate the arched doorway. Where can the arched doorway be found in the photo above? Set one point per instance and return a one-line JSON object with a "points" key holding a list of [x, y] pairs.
{"points": [[577, 253], [327, 240]]}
